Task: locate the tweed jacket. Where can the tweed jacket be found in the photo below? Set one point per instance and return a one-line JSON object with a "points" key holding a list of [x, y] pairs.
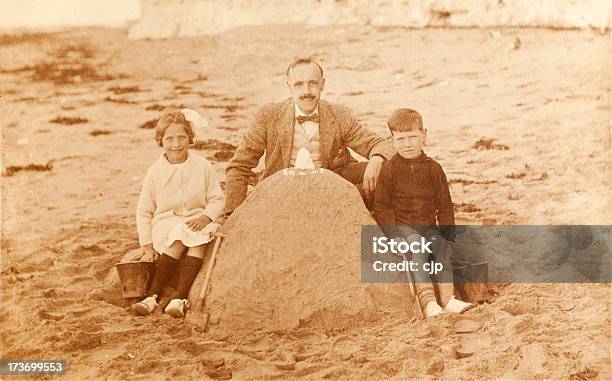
{"points": [[272, 133]]}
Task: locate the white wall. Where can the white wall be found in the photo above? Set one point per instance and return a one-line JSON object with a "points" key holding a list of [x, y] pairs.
{"points": [[182, 18], [66, 13]]}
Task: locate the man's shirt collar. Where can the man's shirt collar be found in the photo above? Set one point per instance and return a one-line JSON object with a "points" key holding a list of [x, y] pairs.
{"points": [[299, 112]]}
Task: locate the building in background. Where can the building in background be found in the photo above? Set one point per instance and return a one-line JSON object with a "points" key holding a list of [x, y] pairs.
{"points": [[183, 18]]}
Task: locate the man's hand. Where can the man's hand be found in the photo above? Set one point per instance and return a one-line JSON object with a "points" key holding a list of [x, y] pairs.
{"points": [[150, 254], [198, 223], [212, 228], [370, 177]]}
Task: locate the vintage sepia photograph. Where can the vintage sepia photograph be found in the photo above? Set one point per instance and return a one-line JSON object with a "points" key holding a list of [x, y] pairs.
{"points": [[315, 189]]}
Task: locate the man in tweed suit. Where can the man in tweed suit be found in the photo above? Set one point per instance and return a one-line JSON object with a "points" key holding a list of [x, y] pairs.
{"points": [[305, 121]]}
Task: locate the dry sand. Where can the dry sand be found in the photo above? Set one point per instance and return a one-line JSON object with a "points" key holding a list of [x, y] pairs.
{"points": [[542, 96]]}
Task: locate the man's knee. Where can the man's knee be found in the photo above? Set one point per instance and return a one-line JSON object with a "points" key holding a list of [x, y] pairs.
{"points": [[353, 172]]}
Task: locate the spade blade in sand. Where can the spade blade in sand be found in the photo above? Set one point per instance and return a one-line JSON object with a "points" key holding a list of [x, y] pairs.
{"points": [[304, 160]]}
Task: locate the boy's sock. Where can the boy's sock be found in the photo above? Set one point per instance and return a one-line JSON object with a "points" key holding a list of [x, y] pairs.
{"points": [[446, 291], [187, 274], [432, 309], [165, 268], [425, 293]]}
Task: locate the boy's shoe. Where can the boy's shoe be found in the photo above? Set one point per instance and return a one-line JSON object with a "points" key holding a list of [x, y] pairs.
{"points": [[145, 306], [176, 308], [457, 306], [432, 309]]}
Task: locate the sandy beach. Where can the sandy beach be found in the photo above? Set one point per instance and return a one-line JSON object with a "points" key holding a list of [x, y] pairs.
{"points": [[518, 118]]}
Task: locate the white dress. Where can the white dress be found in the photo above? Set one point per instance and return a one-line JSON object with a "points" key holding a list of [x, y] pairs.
{"points": [[171, 195], [189, 238]]}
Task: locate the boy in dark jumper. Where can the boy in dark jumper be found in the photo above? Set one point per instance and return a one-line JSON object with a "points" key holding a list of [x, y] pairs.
{"points": [[412, 190]]}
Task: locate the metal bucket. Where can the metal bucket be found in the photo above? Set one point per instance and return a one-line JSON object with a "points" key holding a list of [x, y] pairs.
{"points": [[472, 273], [135, 278], [471, 282]]}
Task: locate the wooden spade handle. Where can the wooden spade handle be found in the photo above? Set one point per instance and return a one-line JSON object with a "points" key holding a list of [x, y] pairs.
{"points": [[413, 291], [211, 264]]}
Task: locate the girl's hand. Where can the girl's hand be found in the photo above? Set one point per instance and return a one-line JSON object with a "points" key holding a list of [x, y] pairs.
{"points": [[198, 224], [150, 255]]}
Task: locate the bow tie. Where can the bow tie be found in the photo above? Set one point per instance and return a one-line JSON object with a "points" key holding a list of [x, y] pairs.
{"points": [[305, 118]]}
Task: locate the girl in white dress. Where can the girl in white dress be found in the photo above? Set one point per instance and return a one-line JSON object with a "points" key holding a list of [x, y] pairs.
{"points": [[179, 200]]}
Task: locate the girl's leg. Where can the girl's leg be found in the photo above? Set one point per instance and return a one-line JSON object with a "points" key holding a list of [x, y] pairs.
{"points": [[176, 250], [190, 267], [166, 267], [189, 270]]}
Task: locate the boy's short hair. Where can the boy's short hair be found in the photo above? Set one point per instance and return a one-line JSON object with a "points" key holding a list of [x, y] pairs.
{"points": [[169, 117], [405, 119]]}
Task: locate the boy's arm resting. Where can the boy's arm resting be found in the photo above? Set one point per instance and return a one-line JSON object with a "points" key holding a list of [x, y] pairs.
{"points": [[145, 210], [383, 205], [444, 207], [215, 198], [240, 167]]}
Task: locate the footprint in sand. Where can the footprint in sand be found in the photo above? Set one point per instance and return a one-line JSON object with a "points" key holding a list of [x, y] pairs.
{"points": [[466, 326], [59, 303], [111, 296], [346, 346], [46, 315], [87, 251], [83, 341], [533, 358], [523, 324], [73, 270], [469, 345], [525, 306]]}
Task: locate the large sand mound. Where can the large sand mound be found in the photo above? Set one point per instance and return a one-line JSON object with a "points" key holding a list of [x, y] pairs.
{"points": [[292, 259]]}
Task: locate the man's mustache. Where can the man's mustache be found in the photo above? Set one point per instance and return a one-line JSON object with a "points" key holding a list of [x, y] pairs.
{"points": [[307, 97]]}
